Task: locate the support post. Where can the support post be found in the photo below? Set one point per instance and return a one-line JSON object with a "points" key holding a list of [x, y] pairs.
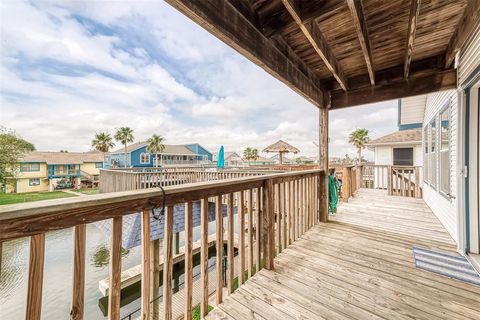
{"points": [[323, 158], [268, 224]]}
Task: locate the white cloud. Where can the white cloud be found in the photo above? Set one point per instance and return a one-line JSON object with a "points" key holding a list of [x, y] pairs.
{"points": [[144, 65]]}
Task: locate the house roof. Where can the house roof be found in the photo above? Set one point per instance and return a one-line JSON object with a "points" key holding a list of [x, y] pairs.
{"points": [[63, 157], [169, 149], [227, 154], [400, 137], [281, 146]]}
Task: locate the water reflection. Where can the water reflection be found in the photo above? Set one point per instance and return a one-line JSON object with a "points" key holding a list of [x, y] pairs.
{"points": [[101, 256]]}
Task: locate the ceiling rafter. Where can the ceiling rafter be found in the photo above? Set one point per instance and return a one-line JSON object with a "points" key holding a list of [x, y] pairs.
{"points": [[412, 29], [317, 40], [356, 8]]}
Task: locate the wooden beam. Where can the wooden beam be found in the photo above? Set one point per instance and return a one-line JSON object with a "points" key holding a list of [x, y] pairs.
{"points": [[412, 29], [115, 269], [78, 287], [356, 8], [465, 26], [317, 40], [277, 24], [443, 80], [146, 264], [323, 159], [35, 277], [224, 21]]}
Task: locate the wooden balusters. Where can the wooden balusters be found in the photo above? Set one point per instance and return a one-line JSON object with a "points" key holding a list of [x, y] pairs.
{"points": [[277, 208], [230, 244], [258, 228], [35, 276], [146, 264], [168, 264], [204, 257], [268, 224], [78, 288], [250, 232], [241, 237], [188, 275], [283, 215], [219, 248], [115, 269]]}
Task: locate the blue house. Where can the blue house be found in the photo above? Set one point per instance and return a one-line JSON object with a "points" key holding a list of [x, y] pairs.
{"points": [[138, 157]]}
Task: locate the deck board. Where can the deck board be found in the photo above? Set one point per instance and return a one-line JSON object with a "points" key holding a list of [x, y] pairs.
{"points": [[358, 266]]}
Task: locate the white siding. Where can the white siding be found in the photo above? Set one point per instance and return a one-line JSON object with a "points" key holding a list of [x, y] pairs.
{"points": [[412, 109], [383, 156], [444, 208], [469, 56]]}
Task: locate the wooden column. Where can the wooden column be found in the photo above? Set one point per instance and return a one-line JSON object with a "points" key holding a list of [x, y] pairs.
{"points": [[323, 159], [115, 269], [268, 224], [155, 256], [146, 264], [35, 277], [78, 288]]}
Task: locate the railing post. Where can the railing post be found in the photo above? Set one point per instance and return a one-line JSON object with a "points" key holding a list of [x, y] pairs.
{"points": [[323, 160], [268, 224], [389, 181], [79, 243]]}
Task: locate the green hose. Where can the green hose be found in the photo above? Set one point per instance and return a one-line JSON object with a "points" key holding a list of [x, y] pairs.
{"points": [[332, 193]]}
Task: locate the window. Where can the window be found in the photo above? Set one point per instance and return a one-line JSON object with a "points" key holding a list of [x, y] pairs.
{"points": [[98, 165], [145, 158], [403, 156], [432, 157], [29, 167], [425, 153], [33, 182], [445, 151]]}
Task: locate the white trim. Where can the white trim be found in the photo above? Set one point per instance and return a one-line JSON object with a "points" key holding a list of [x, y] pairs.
{"points": [[142, 155]]}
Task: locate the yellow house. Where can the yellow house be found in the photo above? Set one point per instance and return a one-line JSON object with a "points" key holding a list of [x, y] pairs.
{"points": [[45, 171]]}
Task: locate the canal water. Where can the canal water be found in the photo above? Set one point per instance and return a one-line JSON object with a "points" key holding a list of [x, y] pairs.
{"points": [[57, 283]]}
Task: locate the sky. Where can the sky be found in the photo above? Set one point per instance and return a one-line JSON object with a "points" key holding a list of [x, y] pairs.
{"points": [[70, 69]]}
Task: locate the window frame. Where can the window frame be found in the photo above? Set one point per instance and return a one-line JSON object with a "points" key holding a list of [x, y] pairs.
{"points": [[446, 107], [30, 163], [144, 158], [34, 185], [98, 165], [403, 165], [425, 151], [433, 152]]}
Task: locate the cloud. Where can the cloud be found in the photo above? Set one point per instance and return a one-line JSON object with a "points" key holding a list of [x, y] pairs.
{"points": [[74, 68]]}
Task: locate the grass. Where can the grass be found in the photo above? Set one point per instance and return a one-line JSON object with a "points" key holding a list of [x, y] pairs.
{"points": [[87, 190], [11, 198], [196, 312]]}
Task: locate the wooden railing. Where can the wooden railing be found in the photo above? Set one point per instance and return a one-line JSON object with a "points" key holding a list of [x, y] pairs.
{"points": [[277, 209], [397, 180], [126, 180], [349, 176]]}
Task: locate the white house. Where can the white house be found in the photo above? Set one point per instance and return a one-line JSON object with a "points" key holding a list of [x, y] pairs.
{"points": [[231, 158]]}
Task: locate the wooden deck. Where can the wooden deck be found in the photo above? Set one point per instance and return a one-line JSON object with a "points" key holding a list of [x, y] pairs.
{"points": [[358, 266]]}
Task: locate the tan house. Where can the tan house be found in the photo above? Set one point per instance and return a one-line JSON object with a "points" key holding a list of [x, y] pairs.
{"points": [[42, 171]]}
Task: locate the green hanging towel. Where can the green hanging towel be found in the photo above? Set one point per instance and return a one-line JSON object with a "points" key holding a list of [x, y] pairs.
{"points": [[332, 193]]}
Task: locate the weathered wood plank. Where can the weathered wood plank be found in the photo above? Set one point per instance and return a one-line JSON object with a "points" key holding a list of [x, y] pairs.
{"points": [[268, 211], [258, 229], [412, 29], [356, 8], [189, 260], [168, 264], [439, 81], [323, 161], [317, 40], [241, 237], [219, 249], [115, 269], [230, 243], [35, 277], [78, 288], [464, 28], [216, 17], [146, 265], [204, 257], [250, 232]]}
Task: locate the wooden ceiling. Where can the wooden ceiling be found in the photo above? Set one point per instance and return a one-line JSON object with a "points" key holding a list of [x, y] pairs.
{"points": [[340, 53]]}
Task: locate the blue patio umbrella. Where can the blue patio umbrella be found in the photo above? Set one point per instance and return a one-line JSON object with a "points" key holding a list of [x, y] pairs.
{"points": [[221, 158]]}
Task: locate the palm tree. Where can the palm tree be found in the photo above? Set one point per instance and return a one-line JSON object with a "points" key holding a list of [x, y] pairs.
{"points": [[155, 145], [103, 142], [359, 138], [124, 135], [250, 153]]}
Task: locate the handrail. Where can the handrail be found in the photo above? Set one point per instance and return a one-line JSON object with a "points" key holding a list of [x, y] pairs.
{"points": [[276, 208]]}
